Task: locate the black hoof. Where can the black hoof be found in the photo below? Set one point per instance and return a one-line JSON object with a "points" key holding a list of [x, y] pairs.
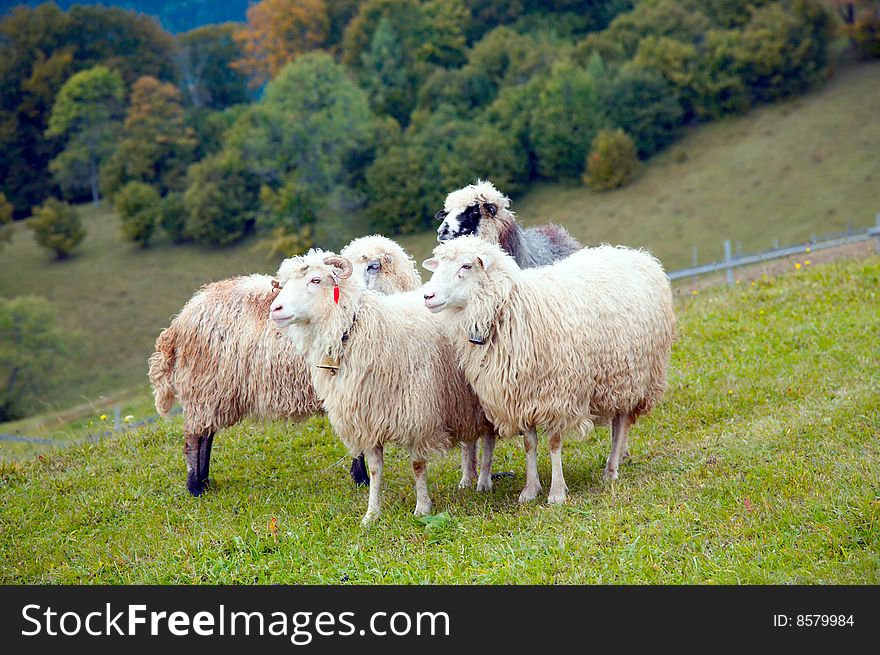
{"points": [[359, 472], [196, 488]]}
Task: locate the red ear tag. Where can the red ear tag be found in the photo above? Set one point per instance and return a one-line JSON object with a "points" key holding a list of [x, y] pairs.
{"points": [[336, 294]]}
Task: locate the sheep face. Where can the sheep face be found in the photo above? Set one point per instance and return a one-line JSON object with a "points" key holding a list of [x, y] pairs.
{"points": [[382, 265], [454, 280], [465, 211], [307, 284], [459, 222]]}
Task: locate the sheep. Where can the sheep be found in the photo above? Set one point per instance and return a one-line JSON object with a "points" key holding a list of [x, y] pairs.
{"points": [[225, 360], [586, 339], [382, 368], [482, 210], [385, 267]]}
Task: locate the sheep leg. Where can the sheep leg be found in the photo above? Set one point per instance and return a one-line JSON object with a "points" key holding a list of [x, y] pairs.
{"points": [[423, 500], [485, 481], [375, 461], [192, 448], [533, 483], [358, 471], [468, 464], [205, 447], [619, 428], [557, 485]]}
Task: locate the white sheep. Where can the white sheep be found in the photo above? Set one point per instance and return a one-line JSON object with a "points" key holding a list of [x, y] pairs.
{"points": [[586, 339], [225, 360], [382, 368]]}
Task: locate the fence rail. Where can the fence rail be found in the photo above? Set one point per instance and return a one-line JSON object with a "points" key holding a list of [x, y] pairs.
{"points": [[731, 262]]}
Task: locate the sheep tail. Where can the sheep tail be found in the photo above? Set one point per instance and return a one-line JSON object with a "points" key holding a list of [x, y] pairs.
{"points": [[162, 372]]}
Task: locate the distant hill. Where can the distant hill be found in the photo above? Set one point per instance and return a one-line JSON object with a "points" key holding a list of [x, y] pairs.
{"points": [[174, 15]]}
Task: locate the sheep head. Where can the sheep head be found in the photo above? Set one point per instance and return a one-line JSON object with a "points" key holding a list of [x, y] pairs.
{"points": [[382, 264], [471, 210], [310, 286]]}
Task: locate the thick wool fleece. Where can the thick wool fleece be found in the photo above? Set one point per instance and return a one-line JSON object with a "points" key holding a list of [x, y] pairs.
{"points": [[225, 360], [398, 381], [582, 340], [529, 247], [397, 271]]}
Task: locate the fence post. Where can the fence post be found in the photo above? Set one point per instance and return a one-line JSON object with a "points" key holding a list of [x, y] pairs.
{"points": [[877, 234], [776, 243], [117, 417], [694, 251], [727, 260]]}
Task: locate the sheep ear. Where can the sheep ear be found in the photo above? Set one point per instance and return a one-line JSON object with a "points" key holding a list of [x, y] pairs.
{"points": [[389, 259], [431, 264], [484, 261], [490, 208]]}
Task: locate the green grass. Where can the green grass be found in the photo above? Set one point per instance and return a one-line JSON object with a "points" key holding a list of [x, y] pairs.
{"points": [[783, 171], [762, 465]]}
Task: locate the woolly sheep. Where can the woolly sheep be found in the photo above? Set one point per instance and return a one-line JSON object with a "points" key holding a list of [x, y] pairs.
{"points": [[585, 339], [480, 209], [225, 360], [383, 369]]}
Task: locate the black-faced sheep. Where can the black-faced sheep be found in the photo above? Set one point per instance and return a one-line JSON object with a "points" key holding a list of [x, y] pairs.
{"points": [[586, 339], [481, 210], [225, 360], [382, 368]]}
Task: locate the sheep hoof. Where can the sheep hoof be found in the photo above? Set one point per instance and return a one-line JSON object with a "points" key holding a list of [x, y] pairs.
{"points": [[529, 494], [557, 496], [609, 476], [484, 485], [369, 517], [464, 483], [422, 510]]}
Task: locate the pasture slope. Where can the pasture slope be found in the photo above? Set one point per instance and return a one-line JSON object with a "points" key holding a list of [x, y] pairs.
{"points": [[760, 466]]}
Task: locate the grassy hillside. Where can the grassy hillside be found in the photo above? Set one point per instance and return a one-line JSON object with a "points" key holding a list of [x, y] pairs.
{"points": [[783, 171], [760, 466]]}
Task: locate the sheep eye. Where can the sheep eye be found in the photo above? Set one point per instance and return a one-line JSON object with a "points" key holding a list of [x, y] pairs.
{"points": [[316, 280], [467, 267], [373, 267]]}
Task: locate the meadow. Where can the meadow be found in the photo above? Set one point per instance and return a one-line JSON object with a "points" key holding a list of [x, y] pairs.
{"points": [[761, 465]]}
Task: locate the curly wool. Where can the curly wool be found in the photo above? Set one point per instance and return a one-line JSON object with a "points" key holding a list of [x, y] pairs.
{"points": [[398, 270], [579, 341], [529, 247], [225, 360], [398, 380]]}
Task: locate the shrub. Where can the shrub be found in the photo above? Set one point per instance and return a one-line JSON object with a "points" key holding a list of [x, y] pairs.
{"points": [[612, 161], [173, 217], [57, 227], [32, 350], [220, 200], [139, 207]]}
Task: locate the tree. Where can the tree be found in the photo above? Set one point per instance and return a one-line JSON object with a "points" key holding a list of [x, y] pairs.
{"points": [[57, 227], [645, 106], [861, 23], [204, 58], [612, 161], [86, 113], [139, 209], [564, 122], [277, 32], [40, 48], [385, 75], [157, 145], [32, 351], [5, 221]]}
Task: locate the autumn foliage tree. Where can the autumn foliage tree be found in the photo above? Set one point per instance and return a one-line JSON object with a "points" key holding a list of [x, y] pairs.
{"points": [[277, 32], [157, 145]]}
